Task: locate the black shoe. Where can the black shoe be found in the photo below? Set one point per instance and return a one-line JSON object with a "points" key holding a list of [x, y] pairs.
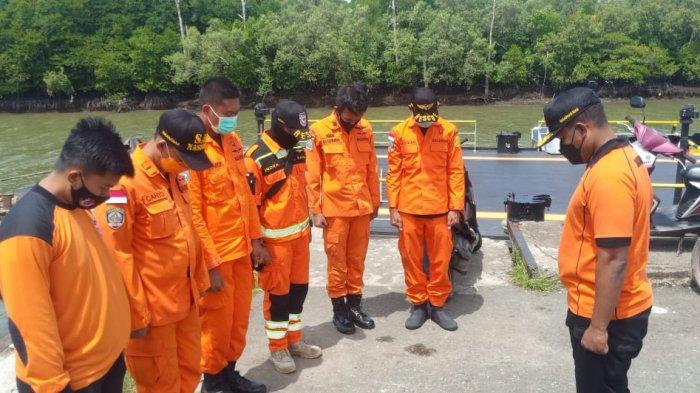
{"points": [[356, 315], [341, 317], [215, 383], [419, 314], [439, 316], [240, 384]]}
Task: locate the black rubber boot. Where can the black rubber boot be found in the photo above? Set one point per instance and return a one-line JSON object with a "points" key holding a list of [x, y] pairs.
{"points": [[240, 384], [216, 383], [341, 317], [439, 316], [419, 314], [356, 315]]}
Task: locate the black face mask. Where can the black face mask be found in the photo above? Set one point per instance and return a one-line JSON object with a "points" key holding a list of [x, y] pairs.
{"points": [[283, 138], [347, 126], [84, 199], [570, 152]]}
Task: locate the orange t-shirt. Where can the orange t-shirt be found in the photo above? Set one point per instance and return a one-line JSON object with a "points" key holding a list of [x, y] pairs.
{"points": [[610, 208], [67, 309]]}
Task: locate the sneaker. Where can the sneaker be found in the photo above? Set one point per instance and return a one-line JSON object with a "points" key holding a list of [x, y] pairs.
{"points": [[305, 351], [283, 362]]}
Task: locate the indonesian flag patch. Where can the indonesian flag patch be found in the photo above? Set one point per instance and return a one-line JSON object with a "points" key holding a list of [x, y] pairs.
{"points": [[392, 140], [117, 197]]}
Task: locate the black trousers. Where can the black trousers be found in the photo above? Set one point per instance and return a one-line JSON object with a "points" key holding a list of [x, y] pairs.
{"points": [[112, 382], [607, 373]]}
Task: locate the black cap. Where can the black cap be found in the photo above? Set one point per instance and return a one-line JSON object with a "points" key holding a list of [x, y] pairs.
{"points": [[564, 108], [292, 115], [424, 104], [185, 131]]}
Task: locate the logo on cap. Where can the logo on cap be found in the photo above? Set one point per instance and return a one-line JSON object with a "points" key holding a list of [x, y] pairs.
{"points": [[302, 119], [425, 107], [170, 139], [568, 116], [198, 144]]}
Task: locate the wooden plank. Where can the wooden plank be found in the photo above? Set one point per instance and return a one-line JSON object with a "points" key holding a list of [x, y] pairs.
{"points": [[516, 236]]}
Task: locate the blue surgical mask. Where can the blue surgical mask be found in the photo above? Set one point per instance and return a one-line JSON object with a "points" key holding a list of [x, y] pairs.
{"points": [[226, 124]]}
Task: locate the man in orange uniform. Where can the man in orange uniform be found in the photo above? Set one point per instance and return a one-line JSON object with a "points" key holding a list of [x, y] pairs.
{"points": [[277, 167], [147, 223], [68, 313], [604, 246], [343, 198], [425, 183], [226, 220]]}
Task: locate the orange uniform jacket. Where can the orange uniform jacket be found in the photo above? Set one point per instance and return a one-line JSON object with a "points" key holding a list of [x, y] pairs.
{"points": [[147, 223], [67, 308], [224, 211], [284, 216], [426, 172], [342, 170]]}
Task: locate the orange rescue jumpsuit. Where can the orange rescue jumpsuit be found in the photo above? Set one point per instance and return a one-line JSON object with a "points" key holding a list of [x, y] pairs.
{"points": [[343, 185], [226, 220], [424, 182], [147, 223], [286, 229]]}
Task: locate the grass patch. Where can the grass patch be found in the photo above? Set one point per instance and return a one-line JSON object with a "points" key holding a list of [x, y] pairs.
{"points": [[129, 384], [522, 279]]}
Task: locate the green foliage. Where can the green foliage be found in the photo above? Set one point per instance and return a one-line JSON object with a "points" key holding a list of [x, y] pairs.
{"points": [[522, 278], [124, 47], [57, 83]]}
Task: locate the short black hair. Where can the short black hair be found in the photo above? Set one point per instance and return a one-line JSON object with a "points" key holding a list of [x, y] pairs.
{"points": [[595, 114], [353, 97], [95, 147], [216, 89], [423, 95]]}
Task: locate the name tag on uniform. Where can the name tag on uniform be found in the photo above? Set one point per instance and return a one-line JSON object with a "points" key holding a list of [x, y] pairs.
{"points": [[154, 197]]}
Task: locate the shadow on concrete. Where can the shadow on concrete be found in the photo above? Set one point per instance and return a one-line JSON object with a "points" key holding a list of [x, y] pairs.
{"points": [[465, 283], [323, 335], [275, 381], [385, 304], [463, 304]]}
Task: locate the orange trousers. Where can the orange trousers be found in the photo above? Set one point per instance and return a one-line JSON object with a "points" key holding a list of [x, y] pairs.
{"points": [[167, 358], [224, 316], [346, 240], [285, 281], [420, 233]]}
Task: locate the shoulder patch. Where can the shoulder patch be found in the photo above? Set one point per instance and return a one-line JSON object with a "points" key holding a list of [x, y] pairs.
{"points": [[115, 217]]}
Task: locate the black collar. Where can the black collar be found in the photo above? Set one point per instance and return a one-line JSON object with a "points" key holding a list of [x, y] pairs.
{"points": [[51, 197], [613, 144]]}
